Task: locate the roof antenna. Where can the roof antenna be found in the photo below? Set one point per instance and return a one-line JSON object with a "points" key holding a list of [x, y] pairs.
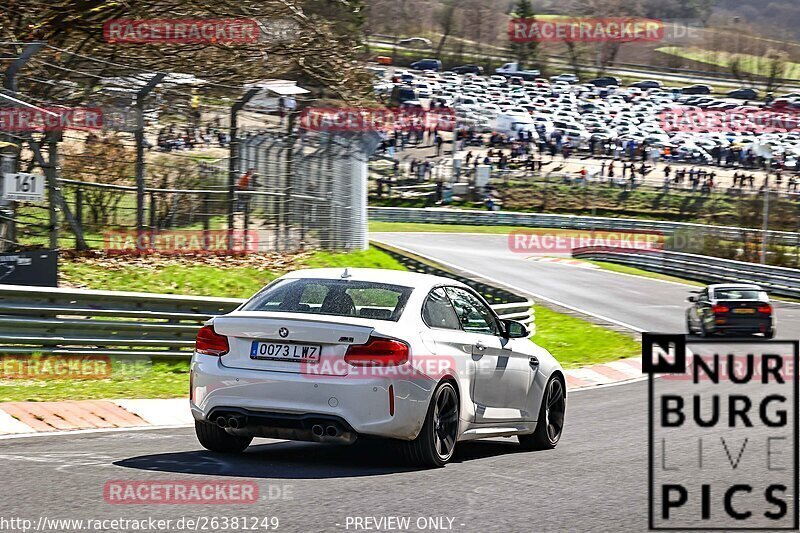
{"points": [[346, 273]]}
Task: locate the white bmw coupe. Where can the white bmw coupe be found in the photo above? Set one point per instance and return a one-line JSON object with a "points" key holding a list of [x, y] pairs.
{"points": [[330, 355]]}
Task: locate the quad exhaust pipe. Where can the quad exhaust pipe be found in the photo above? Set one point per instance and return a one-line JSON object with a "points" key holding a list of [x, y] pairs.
{"points": [[324, 431]]}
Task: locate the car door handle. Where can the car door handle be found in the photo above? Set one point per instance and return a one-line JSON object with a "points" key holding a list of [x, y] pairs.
{"points": [[480, 346], [533, 360]]}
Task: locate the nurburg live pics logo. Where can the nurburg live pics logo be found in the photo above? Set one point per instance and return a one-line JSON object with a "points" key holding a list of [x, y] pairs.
{"points": [[722, 433]]}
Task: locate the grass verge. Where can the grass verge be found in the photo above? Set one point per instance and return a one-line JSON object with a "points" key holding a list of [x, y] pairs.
{"points": [[576, 342], [219, 276], [624, 269], [159, 379]]}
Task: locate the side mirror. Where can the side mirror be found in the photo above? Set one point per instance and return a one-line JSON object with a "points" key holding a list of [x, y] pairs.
{"points": [[691, 299], [515, 330]]}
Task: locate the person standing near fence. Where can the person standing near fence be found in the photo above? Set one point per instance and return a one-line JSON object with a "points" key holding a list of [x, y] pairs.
{"points": [[242, 187]]}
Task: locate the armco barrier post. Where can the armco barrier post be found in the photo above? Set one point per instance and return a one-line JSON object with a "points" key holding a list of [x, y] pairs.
{"points": [[139, 135]]}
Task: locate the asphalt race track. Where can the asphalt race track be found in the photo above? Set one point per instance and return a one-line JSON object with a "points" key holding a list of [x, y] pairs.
{"points": [[643, 304], [595, 480]]}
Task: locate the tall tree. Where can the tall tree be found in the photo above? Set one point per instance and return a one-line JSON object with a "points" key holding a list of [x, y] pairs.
{"points": [[446, 19], [321, 50], [524, 52]]}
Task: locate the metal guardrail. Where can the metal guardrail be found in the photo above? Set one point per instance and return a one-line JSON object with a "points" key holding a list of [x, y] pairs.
{"points": [[540, 220], [69, 321], [776, 280], [43, 320]]}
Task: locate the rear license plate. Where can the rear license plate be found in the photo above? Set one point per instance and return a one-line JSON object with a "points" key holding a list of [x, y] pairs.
{"points": [[744, 311], [277, 351]]}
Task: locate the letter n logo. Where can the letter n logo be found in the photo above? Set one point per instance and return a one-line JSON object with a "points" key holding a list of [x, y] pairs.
{"points": [[663, 353]]}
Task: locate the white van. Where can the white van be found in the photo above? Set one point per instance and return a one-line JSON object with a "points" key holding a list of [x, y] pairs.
{"points": [[512, 123]]}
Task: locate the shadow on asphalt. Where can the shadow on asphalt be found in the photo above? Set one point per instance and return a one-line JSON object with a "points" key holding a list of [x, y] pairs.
{"points": [[305, 460]]}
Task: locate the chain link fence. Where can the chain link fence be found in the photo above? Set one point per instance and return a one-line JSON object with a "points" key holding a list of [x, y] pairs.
{"points": [[282, 191]]}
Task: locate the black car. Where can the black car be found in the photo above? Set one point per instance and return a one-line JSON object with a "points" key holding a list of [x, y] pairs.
{"points": [[743, 94], [730, 309], [402, 93], [605, 81], [647, 84], [467, 69], [427, 64], [696, 89]]}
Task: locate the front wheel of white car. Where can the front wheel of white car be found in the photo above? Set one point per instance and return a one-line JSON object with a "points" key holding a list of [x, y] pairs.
{"points": [[216, 439], [551, 418], [436, 442]]}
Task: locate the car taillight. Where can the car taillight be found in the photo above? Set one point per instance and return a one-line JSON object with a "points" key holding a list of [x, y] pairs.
{"points": [[717, 309], [377, 352], [766, 309], [209, 342]]}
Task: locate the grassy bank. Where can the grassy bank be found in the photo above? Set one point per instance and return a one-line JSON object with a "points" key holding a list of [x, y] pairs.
{"points": [[215, 276], [575, 342], [747, 63], [556, 198]]}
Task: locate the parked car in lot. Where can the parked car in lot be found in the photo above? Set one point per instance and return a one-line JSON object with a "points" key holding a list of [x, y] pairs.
{"points": [[468, 69], [331, 355], [698, 88], [743, 94], [647, 84], [427, 64], [603, 113], [403, 93], [605, 81], [513, 68], [569, 78], [731, 309]]}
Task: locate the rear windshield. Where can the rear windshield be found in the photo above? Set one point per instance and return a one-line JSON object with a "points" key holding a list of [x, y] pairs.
{"points": [[334, 297], [739, 294]]}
